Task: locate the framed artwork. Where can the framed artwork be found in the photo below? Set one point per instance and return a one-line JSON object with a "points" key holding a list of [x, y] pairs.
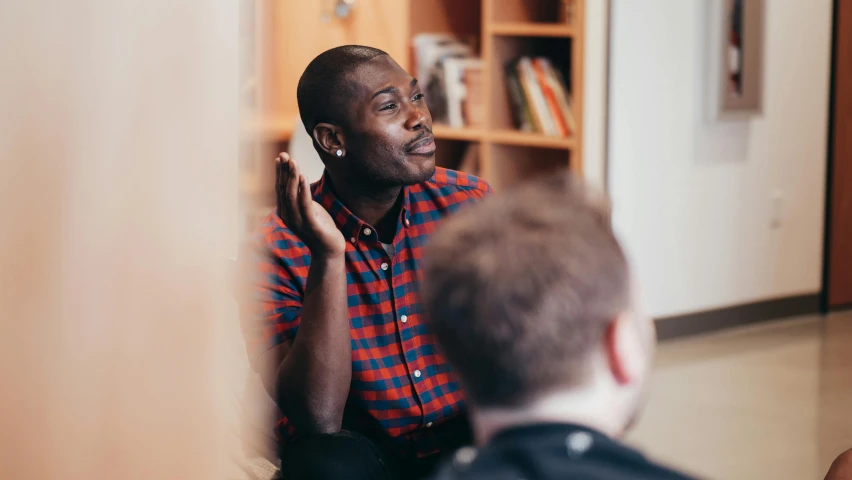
{"points": [[736, 58]]}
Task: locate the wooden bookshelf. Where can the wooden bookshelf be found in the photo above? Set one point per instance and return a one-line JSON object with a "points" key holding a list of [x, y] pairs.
{"points": [[537, 140], [522, 29], [515, 28], [505, 30], [468, 134]]}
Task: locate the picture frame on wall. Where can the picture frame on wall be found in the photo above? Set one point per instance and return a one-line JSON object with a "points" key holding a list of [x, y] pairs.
{"points": [[736, 56]]}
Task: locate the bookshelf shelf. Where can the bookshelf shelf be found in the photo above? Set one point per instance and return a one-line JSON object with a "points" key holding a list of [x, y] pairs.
{"points": [[531, 29], [445, 132], [537, 140]]}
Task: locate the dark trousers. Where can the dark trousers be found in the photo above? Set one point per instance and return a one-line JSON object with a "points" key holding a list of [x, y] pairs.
{"points": [[353, 456]]}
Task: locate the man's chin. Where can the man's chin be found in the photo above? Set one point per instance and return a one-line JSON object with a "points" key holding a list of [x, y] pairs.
{"points": [[421, 171]]}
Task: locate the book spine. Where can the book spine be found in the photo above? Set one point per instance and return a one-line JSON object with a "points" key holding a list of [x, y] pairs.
{"points": [[535, 97], [454, 91], [550, 98], [570, 118], [561, 94], [516, 94]]}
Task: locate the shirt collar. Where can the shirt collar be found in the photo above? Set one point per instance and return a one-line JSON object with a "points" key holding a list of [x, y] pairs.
{"points": [[352, 227]]}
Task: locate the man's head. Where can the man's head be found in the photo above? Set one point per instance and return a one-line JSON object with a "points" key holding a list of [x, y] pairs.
{"points": [[367, 116], [529, 295]]}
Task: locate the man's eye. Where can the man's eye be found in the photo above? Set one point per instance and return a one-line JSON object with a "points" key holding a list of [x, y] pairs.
{"points": [[419, 96], [389, 106]]}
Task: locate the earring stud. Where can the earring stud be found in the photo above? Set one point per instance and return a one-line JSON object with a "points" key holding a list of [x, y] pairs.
{"points": [[339, 153]]}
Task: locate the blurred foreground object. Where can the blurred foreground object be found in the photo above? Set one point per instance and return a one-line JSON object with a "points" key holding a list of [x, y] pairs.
{"points": [[117, 164], [841, 469]]}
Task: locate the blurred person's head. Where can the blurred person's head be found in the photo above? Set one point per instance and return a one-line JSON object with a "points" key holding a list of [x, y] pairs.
{"points": [[367, 117], [531, 299]]}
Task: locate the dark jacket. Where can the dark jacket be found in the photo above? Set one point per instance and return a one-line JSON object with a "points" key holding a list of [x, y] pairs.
{"points": [[553, 451]]}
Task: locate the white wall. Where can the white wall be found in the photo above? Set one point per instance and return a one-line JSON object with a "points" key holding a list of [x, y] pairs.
{"points": [[693, 199], [594, 90]]}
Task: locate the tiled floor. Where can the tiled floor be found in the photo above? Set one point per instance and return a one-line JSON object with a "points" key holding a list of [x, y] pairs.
{"points": [[769, 402]]}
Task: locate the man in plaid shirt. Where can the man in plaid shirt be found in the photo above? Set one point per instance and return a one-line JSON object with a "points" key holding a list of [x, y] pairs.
{"points": [[338, 339]]}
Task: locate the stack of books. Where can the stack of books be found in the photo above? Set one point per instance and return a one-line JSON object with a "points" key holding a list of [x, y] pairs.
{"points": [[450, 75], [539, 97]]}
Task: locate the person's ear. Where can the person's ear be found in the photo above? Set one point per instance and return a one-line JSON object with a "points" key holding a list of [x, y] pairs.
{"points": [[624, 350], [330, 139]]}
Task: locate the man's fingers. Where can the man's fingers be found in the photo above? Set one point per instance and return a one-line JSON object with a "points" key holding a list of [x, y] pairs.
{"points": [[292, 195], [279, 187], [281, 174], [306, 201]]}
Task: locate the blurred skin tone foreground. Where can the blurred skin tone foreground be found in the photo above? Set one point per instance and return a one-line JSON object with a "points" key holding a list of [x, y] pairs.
{"points": [[119, 348]]}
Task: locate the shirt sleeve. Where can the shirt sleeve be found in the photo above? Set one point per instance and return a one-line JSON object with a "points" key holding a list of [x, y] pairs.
{"points": [[271, 303], [486, 190]]}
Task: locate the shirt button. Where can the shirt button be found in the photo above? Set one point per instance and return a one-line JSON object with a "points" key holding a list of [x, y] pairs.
{"points": [[417, 373], [578, 443], [464, 457], [367, 231], [403, 318], [352, 239], [407, 223], [384, 266], [428, 424]]}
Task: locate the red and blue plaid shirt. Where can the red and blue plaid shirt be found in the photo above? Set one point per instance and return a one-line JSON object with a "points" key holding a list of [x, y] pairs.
{"points": [[398, 376]]}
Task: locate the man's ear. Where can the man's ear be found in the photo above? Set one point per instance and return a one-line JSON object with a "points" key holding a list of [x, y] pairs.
{"points": [[624, 350], [330, 139]]}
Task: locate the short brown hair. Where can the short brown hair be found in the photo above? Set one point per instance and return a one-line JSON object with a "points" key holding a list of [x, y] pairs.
{"points": [[520, 288]]}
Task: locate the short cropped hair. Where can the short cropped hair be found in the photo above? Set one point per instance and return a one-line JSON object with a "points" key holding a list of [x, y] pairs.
{"points": [[520, 288], [322, 90]]}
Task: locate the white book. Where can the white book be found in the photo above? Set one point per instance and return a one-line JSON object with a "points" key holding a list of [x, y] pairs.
{"points": [[456, 90]]}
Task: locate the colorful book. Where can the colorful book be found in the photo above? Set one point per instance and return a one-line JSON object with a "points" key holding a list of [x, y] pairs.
{"points": [[550, 97], [560, 90], [532, 89]]}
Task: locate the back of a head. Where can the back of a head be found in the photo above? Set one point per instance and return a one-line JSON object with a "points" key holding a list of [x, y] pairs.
{"points": [[520, 288]]}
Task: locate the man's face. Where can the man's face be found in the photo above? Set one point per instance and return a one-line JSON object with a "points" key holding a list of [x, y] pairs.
{"points": [[389, 137]]}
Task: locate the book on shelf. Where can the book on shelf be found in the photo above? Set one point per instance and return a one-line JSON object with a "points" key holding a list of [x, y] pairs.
{"points": [[547, 87], [541, 113], [462, 83], [450, 75], [518, 100], [539, 97], [563, 98]]}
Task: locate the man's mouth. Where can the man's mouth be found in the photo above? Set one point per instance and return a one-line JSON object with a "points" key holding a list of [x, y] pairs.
{"points": [[423, 146]]}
